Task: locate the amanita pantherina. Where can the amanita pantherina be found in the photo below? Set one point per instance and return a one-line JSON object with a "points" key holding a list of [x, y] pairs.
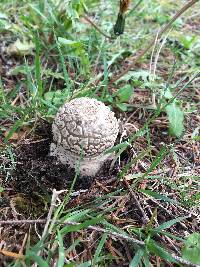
{"points": [[84, 126]]}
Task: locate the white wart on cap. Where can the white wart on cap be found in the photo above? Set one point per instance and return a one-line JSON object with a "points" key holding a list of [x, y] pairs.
{"points": [[84, 126]]}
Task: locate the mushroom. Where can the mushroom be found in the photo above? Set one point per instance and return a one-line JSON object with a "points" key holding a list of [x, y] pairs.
{"points": [[83, 130]]}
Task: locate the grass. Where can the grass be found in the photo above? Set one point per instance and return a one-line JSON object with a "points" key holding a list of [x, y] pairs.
{"points": [[145, 211]]}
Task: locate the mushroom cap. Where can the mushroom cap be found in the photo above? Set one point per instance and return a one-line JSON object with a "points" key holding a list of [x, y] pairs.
{"points": [[84, 126]]}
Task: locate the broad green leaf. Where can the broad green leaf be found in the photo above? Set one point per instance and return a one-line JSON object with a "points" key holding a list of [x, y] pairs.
{"points": [[119, 55], [124, 93], [57, 97], [176, 117], [188, 41], [122, 106], [68, 42], [78, 50], [48, 96], [142, 75], [191, 249]]}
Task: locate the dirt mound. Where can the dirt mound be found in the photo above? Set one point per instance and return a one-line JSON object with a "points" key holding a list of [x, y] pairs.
{"points": [[36, 171]]}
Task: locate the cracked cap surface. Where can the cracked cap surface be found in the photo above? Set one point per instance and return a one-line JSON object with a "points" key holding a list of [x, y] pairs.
{"points": [[84, 124]]}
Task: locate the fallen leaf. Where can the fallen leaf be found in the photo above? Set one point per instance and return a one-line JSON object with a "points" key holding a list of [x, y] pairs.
{"points": [[20, 48]]}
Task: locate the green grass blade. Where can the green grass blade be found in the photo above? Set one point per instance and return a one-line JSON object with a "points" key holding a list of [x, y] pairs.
{"points": [[162, 153], [158, 196], [85, 264], [14, 128], [2, 93], [170, 223], [99, 249], [75, 216], [167, 234], [37, 259], [72, 247], [78, 227], [129, 164], [68, 82], [61, 252], [157, 250], [146, 260], [137, 258], [38, 66]]}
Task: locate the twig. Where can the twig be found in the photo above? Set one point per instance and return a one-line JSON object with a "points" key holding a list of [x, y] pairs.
{"points": [[134, 8], [17, 256], [96, 27], [153, 50], [48, 220], [145, 218], [53, 204], [22, 221], [95, 228], [162, 30], [117, 235], [183, 261], [98, 229], [21, 249], [155, 65]]}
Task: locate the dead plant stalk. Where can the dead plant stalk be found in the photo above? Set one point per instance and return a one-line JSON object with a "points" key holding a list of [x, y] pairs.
{"points": [[152, 42]]}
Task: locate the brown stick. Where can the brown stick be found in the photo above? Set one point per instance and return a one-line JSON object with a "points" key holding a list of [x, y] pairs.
{"points": [[11, 254], [95, 228], [96, 27], [162, 30], [145, 219], [10, 222]]}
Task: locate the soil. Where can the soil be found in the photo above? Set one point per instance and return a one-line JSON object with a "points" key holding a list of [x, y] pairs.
{"points": [[36, 171]]}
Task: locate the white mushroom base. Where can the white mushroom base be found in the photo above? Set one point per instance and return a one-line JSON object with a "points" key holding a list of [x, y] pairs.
{"points": [[86, 166]]}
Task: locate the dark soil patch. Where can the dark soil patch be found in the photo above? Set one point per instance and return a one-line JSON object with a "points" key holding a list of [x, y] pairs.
{"points": [[37, 172]]}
